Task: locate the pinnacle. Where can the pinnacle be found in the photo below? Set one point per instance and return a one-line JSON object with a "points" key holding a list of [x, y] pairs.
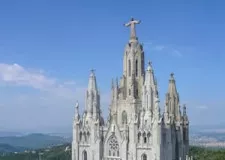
{"points": [[112, 84], [172, 75], [184, 109], [172, 86], [149, 68], [92, 72], [92, 85], [77, 104]]}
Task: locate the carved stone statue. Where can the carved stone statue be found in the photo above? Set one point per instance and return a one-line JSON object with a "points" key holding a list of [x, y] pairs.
{"points": [[132, 24]]}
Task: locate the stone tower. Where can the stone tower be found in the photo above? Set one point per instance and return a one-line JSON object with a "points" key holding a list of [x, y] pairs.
{"points": [[87, 131], [135, 129], [176, 125]]}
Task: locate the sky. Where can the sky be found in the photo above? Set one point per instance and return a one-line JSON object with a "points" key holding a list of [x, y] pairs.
{"points": [[47, 48]]}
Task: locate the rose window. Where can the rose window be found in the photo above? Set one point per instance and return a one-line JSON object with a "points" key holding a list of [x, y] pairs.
{"points": [[113, 146]]}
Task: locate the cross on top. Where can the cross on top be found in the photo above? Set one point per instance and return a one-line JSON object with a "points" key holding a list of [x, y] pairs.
{"points": [[92, 70]]}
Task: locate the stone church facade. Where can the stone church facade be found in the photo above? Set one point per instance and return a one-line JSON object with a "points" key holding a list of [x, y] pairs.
{"points": [[135, 129]]}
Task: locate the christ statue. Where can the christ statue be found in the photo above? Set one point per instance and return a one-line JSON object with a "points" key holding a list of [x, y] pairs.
{"points": [[132, 24]]}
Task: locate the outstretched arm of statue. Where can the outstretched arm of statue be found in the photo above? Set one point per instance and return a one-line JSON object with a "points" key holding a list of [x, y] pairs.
{"points": [[137, 22], [127, 24]]}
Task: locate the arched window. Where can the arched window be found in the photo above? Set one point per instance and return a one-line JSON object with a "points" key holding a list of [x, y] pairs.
{"points": [[84, 155], [139, 137], [124, 117], [129, 68], [80, 136], [144, 157], [137, 92], [136, 67], [145, 137], [113, 146], [129, 92]]}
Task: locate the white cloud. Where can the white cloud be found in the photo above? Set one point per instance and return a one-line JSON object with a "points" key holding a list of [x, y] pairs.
{"points": [[177, 53], [159, 47], [54, 99], [69, 83], [163, 48], [15, 74], [202, 107]]}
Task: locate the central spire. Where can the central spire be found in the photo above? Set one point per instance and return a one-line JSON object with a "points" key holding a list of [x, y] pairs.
{"points": [[92, 85], [132, 24]]}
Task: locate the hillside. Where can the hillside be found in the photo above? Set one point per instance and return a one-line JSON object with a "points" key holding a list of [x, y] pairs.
{"points": [[55, 153], [59, 153], [207, 154], [6, 148], [33, 141]]}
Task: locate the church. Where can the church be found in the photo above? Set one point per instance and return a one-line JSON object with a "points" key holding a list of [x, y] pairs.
{"points": [[135, 129]]}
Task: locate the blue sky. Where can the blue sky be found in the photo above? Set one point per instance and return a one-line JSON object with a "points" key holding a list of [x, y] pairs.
{"points": [[47, 49]]}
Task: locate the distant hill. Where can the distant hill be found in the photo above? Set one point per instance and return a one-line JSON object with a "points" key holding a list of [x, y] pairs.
{"points": [[7, 134], [33, 141], [65, 135], [5, 148]]}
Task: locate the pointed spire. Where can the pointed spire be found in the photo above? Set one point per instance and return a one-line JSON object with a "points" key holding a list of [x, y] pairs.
{"points": [[77, 116], [150, 89], [149, 76], [77, 107], [92, 85], [112, 91], [149, 68], [184, 109], [172, 76], [172, 85], [117, 83], [92, 97], [172, 99], [112, 84], [116, 89], [185, 113]]}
